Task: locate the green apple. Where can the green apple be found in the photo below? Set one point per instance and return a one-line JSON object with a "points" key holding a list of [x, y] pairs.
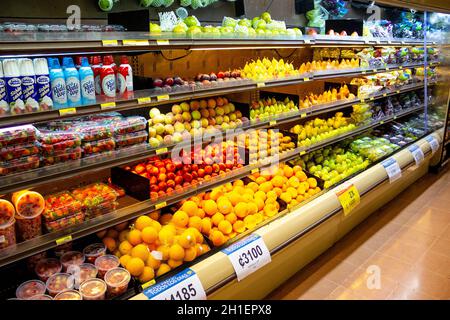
{"points": [[179, 29], [266, 17], [191, 21], [245, 22], [193, 30], [155, 28]]}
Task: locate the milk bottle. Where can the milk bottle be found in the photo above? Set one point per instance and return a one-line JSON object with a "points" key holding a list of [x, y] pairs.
{"points": [[73, 87], [58, 84], [29, 90], [44, 93], [87, 82], [13, 86], [4, 106]]}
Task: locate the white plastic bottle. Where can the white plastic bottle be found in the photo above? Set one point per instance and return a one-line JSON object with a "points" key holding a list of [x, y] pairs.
{"points": [[13, 86], [4, 105], [129, 78], [73, 86], [44, 92], [58, 84], [87, 82], [29, 89]]}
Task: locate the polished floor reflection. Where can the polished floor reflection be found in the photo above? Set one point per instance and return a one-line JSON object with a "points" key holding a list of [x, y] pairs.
{"points": [[406, 243]]}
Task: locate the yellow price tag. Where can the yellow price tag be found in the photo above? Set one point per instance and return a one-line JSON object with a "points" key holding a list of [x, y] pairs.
{"points": [[384, 94], [107, 105], [400, 67], [144, 100], [160, 205], [375, 70], [363, 72], [381, 122], [255, 170], [303, 115], [349, 198], [148, 284], [164, 97], [398, 91], [395, 117], [110, 43], [272, 123], [162, 42], [387, 68], [302, 152], [135, 42], [63, 240], [306, 79], [162, 150], [362, 100], [371, 98], [260, 84], [65, 112]]}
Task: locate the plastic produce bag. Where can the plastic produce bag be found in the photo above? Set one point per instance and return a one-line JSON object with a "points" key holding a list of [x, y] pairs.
{"points": [[168, 20]]}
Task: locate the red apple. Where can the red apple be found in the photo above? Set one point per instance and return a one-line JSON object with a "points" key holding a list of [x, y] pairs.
{"points": [[215, 167], [162, 177], [186, 184], [194, 174], [220, 75], [161, 193], [207, 177], [139, 168], [162, 170], [208, 170], [153, 180], [153, 195], [201, 173], [171, 176], [162, 185], [170, 167], [222, 166], [194, 167], [214, 174], [187, 177], [169, 190], [154, 188], [178, 180], [170, 184]]}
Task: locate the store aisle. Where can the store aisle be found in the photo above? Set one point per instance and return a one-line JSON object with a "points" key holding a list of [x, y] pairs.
{"points": [[408, 239]]}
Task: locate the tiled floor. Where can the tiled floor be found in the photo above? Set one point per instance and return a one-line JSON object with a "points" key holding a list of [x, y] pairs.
{"points": [[402, 251]]}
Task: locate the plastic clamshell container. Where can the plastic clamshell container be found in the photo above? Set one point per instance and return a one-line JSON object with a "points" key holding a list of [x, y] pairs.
{"points": [[72, 258], [41, 297], [93, 251], [117, 280], [28, 228], [60, 205], [59, 282], [64, 156], [93, 289], [28, 203], [34, 259], [96, 199], [68, 295], [18, 151], [30, 288], [87, 271], [8, 234], [53, 138], [47, 267], [7, 212], [19, 165], [65, 222], [106, 117], [92, 131], [128, 139], [106, 263], [98, 146], [130, 124], [59, 147], [17, 135]]}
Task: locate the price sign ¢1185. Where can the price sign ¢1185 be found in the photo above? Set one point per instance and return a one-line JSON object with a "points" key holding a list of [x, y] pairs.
{"points": [[434, 144], [248, 255], [417, 153], [185, 285], [393, 170]]}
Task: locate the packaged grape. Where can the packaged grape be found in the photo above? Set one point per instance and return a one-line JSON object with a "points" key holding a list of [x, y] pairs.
{"points": [[96, 199], [59, 282], [106, 263], [63, 156], [65, 222], [7, 234], [7, 211], [93, 289], [129, 124], [94, 147], [60, 205], [72, 258], [28, 203], [128, 139], [47, 267], [59, 147], [117, 280], [29, 227], [93, 132], [17, 151], [19, 165], [17, 135], [68, 295], [93, 251], [82, 273], [29, 289]]}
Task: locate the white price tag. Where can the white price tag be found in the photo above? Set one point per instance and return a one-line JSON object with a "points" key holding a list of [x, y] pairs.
{"points": [[392, 168], [417, 153], [2, 239], [183, 286], [434, 144], [248, 255]]}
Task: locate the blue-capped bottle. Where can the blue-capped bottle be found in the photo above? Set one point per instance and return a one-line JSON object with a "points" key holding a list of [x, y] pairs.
{"points": [[58, 84], [73, 86], [87, 82]]}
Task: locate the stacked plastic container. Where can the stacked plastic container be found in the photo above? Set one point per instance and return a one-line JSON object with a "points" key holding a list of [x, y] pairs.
{"points": [[59, 147], [130, 131], [18, 149]]}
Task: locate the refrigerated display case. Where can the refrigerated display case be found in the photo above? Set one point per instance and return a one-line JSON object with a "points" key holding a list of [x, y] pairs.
{"points": [[355, 130]]}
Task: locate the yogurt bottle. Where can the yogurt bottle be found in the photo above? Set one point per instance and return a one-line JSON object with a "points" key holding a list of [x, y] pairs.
{"points": [[108, 77], [13, 86], [44, 93], [87, 82], [4, 105], [58, 84], [73, 86], [29, 89]]}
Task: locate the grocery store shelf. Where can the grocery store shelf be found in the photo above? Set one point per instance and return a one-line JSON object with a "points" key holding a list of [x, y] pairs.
{"points": [[48, 241], [40, 43], [149, 98]]}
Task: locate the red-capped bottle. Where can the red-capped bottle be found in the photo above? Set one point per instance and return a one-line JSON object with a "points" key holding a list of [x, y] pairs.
{"points": [[108, 77], [124, 64], [96, 67]]}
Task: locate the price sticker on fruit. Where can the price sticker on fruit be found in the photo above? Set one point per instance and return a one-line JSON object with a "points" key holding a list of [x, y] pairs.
{"points": [[393, 169], [434, 144], [185, 285], [348, 197], [417, 153], [248, 255]]}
